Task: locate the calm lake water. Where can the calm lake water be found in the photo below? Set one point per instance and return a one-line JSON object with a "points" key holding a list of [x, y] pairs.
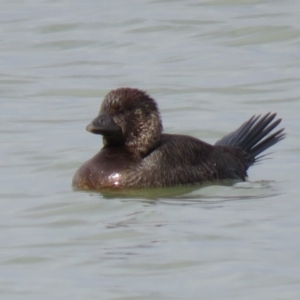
{"points": [[210, 65]]}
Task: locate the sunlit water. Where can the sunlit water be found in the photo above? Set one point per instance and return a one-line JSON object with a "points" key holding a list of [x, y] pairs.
{"points": [[210, 65]]}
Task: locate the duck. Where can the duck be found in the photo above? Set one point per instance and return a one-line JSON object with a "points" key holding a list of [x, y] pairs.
{"points": [[137, 154]]}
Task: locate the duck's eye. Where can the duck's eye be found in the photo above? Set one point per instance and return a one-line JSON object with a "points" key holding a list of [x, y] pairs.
{"points": [[121, 110]]}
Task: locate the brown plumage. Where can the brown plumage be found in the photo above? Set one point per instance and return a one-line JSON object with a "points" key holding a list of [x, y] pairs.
{"points": [[137, 154]]}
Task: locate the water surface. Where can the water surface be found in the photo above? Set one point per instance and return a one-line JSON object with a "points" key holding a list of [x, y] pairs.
{"points": [[210, 65]]}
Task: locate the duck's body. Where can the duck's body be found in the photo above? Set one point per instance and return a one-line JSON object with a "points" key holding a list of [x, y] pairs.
{"points": [[169, 165], [136, 154]]}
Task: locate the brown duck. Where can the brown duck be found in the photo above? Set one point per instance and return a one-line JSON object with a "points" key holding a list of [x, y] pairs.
{"points": [[136, 154]]}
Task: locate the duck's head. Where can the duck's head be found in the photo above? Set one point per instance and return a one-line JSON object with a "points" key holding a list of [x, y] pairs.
{"points": [[130, 118]]}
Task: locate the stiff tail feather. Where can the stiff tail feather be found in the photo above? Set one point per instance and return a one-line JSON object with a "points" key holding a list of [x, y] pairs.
{"points": [[253, 136]]}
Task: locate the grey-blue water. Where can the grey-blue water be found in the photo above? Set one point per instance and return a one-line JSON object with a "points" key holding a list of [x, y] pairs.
{"points": [[210, 65]]}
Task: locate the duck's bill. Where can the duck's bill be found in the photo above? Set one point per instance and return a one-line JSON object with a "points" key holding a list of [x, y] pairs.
{"points": [[103, 124]]}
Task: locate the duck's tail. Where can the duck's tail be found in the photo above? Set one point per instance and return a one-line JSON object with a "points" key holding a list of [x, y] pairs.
{"points": [[253, 136]]}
